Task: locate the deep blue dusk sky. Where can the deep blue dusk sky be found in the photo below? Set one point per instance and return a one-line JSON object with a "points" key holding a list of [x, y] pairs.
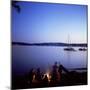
{"points": [[46, 22]]}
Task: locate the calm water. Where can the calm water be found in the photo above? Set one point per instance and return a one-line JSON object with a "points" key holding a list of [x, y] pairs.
{"points": [[26, 57]]}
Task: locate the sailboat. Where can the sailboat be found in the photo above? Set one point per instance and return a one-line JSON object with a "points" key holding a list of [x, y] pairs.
{"points": [[82, 49], [69, 47]]}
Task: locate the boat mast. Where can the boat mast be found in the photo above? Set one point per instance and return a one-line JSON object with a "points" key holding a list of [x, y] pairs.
{"points": [[68, 40]]}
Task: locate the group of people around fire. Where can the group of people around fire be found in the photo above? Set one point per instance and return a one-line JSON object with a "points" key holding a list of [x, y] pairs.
{"points": [[55, 75]]}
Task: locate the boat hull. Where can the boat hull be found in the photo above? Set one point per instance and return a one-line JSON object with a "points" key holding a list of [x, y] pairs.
{"points": [[69, 49]]}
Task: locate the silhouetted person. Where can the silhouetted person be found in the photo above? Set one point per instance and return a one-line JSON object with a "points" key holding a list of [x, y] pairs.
{"points": [[61, 67], [45, 80], [60, 71], [31, 74], [55, 66], [38, 75], [55, 72]]}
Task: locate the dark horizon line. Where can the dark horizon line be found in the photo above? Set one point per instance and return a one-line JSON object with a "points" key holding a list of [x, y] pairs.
{"points": [[50, 44]]}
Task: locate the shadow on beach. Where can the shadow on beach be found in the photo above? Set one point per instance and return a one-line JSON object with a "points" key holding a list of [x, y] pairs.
{"points": [[55, 77]]}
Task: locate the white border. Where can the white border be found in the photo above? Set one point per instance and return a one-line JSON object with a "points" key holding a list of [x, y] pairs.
{"points": [[84, 2], [4, 44], [5, 61]]}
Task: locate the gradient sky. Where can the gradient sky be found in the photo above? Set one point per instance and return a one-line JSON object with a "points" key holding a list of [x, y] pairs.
{"points": [[46, 22]]}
